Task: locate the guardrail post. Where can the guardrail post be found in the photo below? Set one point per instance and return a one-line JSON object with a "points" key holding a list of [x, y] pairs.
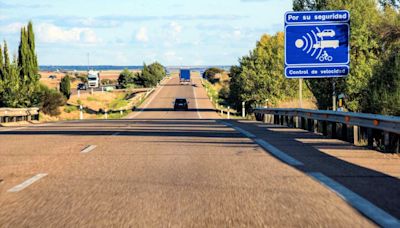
{"points": [[344, 132], [106, 114], [334, 133], [386, 140], [121, 112], [309, 124], [244, 109], [356, 135], [315, 126], [80, 113], [324, 128], [370, 134]]}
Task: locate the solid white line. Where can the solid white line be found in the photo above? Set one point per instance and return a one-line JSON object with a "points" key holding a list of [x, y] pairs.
{"points": [[373, 212], [197, 105], [13, 129], [240, 130], [28, 182], [278, 153], [88, 149]]}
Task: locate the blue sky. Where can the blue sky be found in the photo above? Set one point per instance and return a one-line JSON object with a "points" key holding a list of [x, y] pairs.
{"points": [[130, 32]]}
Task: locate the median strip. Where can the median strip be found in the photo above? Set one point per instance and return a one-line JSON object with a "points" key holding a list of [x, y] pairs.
{"points": [[28, 182], [88, 149], [373, 212]]}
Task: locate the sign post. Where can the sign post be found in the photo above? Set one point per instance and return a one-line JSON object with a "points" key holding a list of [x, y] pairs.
{"points": [[317, 45]]}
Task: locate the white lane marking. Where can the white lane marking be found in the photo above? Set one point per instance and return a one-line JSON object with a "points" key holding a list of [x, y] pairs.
{"points": [[88, 149], [116, 134], [154, 95], [13, 129], [197, 105], [373, 212], [28, 182], [244, 132], [278, 153]]}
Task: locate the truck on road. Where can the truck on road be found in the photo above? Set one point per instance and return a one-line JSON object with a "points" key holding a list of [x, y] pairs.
{"points": [[93, 79], [184, 76]]}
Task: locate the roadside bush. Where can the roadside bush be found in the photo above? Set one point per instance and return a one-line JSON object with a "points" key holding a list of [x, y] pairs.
{"points": [[51, 101], [126, 78], [70, 109], [83, 78], [210, 74], [108, 82], [65, 86]]}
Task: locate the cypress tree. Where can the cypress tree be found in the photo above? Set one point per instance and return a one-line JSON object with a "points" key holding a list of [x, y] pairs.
{"points": [[1, 65], [23, 56], [6, 66], [34, 68]]}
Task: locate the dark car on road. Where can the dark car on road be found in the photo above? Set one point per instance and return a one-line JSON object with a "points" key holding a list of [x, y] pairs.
{"points": [[82, 86], [181, 104]]}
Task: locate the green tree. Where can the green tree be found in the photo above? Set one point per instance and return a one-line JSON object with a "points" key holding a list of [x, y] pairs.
{"points": [[126, 78], [210, 74], [259, 78], [363, 56], [151, 75], [65, 86]]}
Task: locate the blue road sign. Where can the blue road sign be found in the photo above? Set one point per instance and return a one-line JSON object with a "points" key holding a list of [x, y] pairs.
{"points": [[317, 44]]}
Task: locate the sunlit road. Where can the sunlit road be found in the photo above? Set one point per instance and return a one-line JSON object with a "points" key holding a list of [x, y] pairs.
{"points": [[159, 168]]}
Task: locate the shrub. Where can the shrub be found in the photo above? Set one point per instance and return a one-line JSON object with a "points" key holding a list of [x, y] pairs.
{"points": [[70, 109], [65, 86], [51, 101]]}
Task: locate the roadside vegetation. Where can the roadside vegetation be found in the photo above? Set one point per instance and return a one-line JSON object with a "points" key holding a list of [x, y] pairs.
{"points": [[19, 78], [373, 85], [150, 76]]}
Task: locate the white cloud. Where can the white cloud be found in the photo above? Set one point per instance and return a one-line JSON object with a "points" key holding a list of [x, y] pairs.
{"points": [[141, 35], [49, 33], [11, 28]]}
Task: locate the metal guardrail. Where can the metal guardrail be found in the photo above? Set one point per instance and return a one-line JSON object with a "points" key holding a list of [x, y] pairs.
{"points": [[18, 114], [318, 121]]}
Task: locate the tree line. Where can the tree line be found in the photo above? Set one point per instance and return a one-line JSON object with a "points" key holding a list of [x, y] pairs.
{"points": [[373, 84], [19, 78], [150, 76]]}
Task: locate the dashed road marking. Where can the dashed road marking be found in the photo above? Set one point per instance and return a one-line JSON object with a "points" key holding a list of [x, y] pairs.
{"points": [[28, 182], [278, 153], [373, 212], [88, 149], [116, 134]]}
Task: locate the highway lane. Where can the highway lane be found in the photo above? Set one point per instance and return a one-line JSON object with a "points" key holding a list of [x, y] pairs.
{"points": [[160, 168]]}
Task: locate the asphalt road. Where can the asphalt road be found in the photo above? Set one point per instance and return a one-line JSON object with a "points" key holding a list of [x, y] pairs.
{"points": [[159, 168]]}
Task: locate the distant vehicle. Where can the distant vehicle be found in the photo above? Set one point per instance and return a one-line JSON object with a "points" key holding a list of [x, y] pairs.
{"points": [[93, 79], [82, 86], [52, 77], [327, 33], [181, 104], [184, 76], [327, 44]]}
